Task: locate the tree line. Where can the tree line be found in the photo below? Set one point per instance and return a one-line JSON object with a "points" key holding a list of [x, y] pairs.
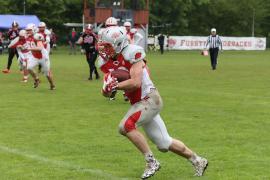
{"points": [[174, 17]]}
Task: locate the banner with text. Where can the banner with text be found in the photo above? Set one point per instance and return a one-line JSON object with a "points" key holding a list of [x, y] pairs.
{"points": [[229, 43]]}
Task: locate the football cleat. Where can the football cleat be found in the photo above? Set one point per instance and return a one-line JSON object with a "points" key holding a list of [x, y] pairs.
{"points": [[6, 71], [36, 83], [52, 87], [200, 166], [151, 168], [24, 80]]}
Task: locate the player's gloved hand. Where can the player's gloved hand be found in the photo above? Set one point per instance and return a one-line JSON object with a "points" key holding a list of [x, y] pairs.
{"points": [[109, 84]]}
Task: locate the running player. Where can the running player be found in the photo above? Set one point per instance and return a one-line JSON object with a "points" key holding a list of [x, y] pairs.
{"points": [[21, 44], [39, 56], [88, 41], [146, 104]]}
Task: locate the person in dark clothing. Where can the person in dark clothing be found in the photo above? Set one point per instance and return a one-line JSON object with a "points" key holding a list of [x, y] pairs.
{"points": [[214, 43], [72, 38], [1, 43], [161, 38], [12, 34], [88, 41]]}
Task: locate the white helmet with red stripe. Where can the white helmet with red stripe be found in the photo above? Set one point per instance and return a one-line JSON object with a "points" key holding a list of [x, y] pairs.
{"points": [[22, 33], [111, 21], [116, 36]]}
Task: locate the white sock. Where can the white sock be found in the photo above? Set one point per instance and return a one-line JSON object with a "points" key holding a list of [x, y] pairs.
{"points": [[194, 158], [149, 157]]}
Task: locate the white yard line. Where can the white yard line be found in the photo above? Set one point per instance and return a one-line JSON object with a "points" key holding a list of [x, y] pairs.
{"points": [[61, 164]]}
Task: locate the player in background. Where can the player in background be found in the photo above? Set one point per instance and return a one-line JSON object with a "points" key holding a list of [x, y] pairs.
{"points": [[88, 41], [12, 34], [1, 42], [21, 44], [39, 57], [111, 21], [134, 37], [46, 35], [146, 104]]}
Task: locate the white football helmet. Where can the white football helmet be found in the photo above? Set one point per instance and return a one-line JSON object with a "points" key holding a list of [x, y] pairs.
{"points": [[127, 24], [42, 24], [111, 21], [38, 37], [30, 26], [116, 36], [22, 33]]}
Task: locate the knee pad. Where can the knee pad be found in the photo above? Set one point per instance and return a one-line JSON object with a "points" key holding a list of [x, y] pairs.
{"points": [[164, 145], [129, 124]]}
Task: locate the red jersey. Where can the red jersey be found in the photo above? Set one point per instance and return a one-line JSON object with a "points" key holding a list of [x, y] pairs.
{"points": [[113, 64], [21, 42], [31, 42], [130, 55]]}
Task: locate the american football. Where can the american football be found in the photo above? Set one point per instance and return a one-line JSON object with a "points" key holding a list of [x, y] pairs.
{"points": [[120, 75]]}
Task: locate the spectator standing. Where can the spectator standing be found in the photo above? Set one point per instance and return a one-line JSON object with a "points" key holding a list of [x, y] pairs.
{"points": [[72, 38], [161, 38], [53, 40], [214, 42]]}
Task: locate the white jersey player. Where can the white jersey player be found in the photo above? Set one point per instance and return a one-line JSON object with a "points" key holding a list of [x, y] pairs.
{"points": [[146, 103]]}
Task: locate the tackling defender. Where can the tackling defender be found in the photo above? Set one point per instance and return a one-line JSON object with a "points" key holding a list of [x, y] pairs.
{"points": [[20, 44], [146, 104]]}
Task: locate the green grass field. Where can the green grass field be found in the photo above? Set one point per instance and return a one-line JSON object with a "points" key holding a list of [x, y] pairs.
{"points": [[71, 133]]}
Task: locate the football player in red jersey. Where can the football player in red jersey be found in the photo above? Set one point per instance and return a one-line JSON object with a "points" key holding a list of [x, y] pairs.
{"points": [[39, 56], [21, 44], [146, 104], [46, 35], [12, 34]]}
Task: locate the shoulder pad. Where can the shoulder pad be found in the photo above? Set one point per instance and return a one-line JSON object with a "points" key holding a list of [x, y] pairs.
{"points": [[133, 53]]}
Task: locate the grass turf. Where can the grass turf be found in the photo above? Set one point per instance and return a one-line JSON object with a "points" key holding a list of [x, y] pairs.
{"points": [[71, 133]]}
